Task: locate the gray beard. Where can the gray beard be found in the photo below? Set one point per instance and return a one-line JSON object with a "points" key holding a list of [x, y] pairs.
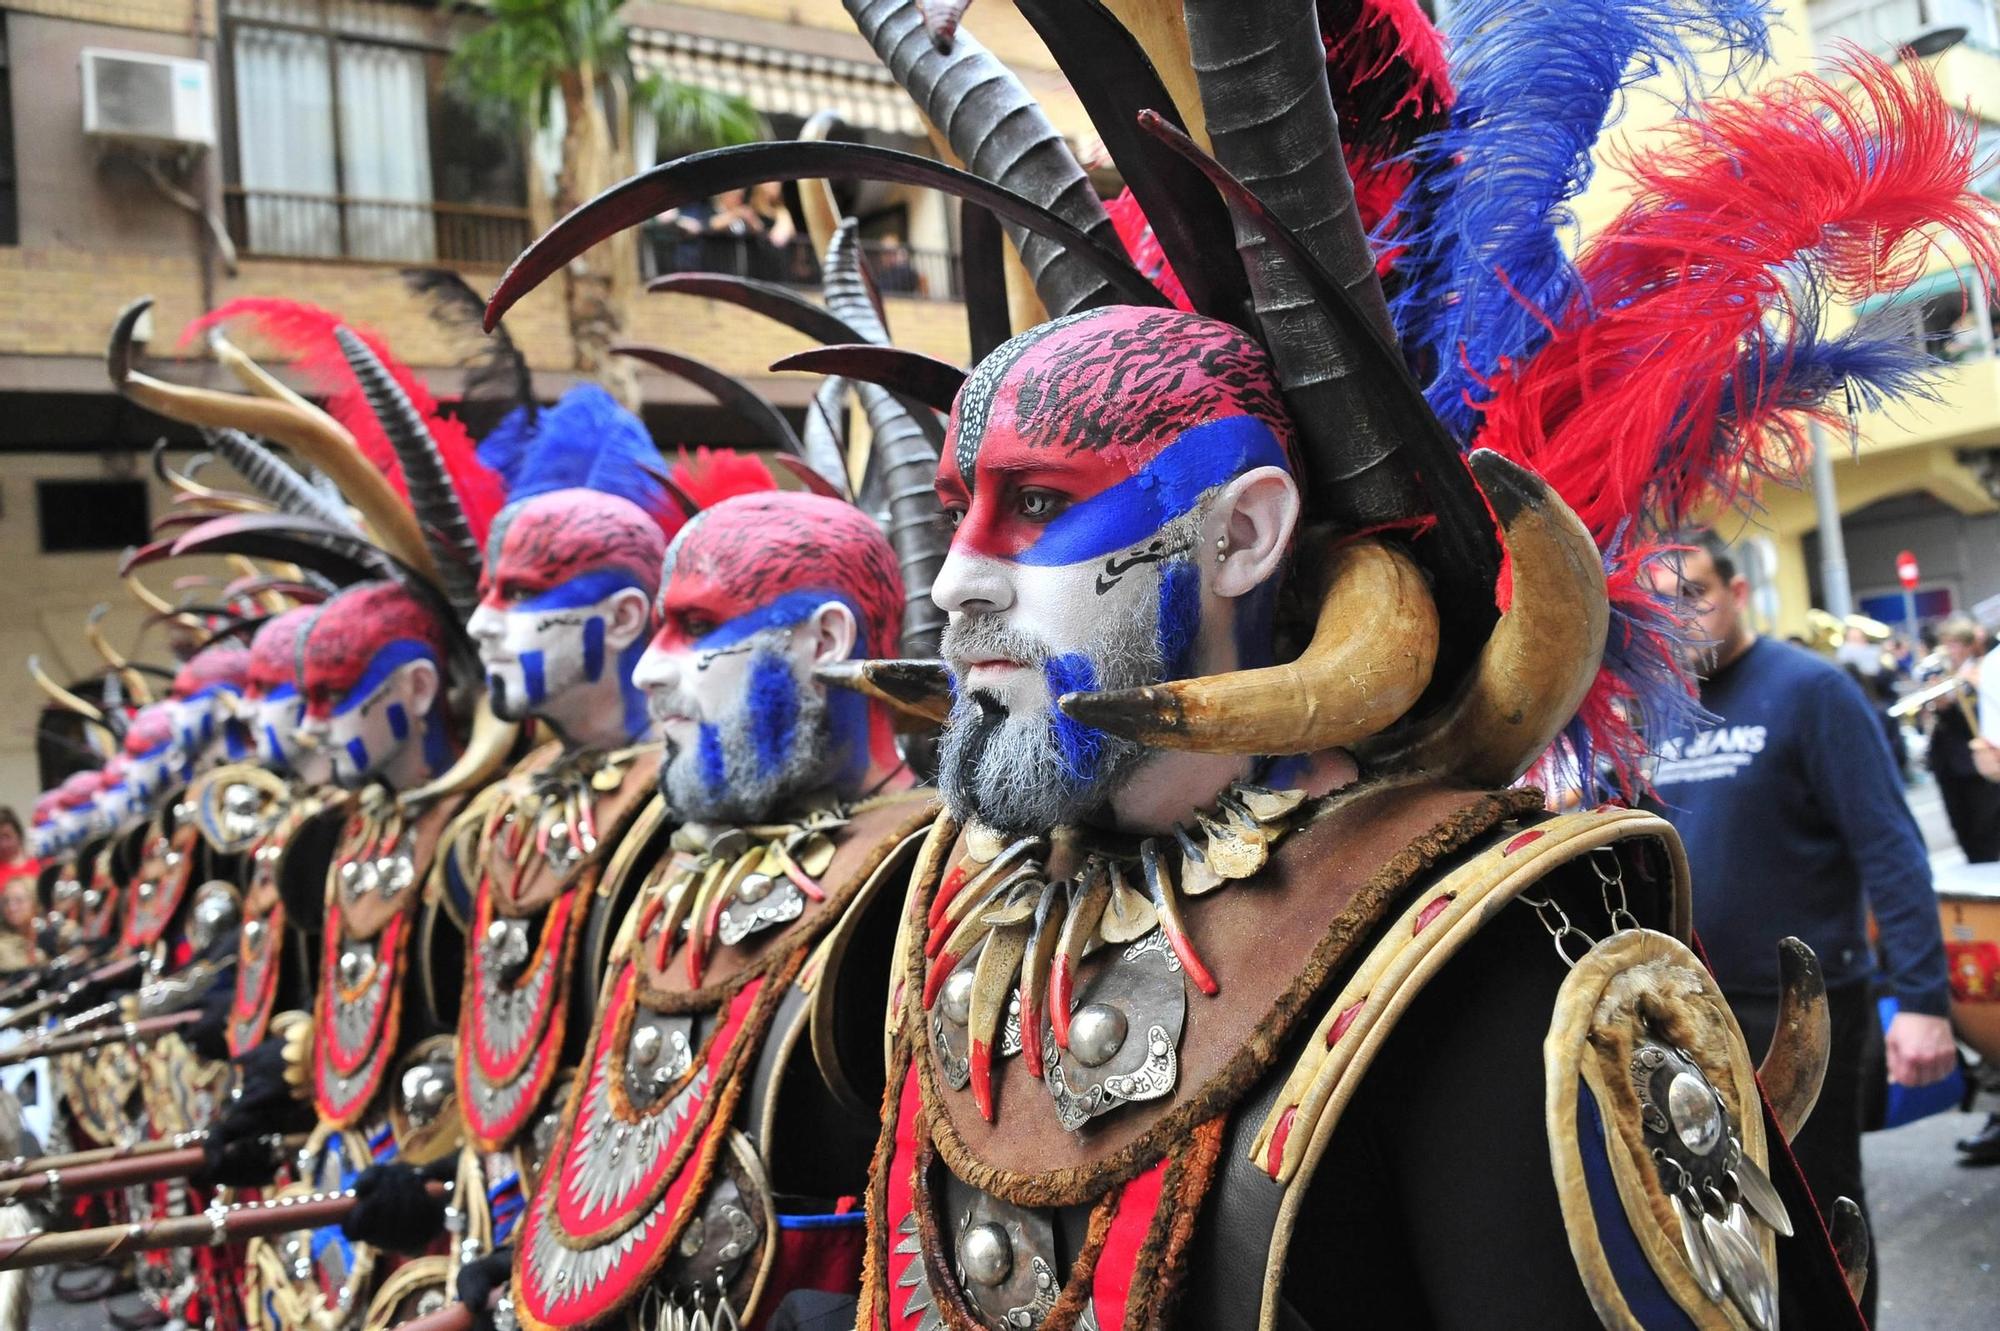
{"points": [[750, 794], [1010, 771]]}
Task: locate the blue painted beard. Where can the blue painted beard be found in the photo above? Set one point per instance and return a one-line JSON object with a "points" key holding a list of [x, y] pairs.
{"points": [[784, 741], [1022, 772]]}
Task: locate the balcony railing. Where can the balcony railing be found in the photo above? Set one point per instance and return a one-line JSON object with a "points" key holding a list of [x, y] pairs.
{"points": [[323, 226], [898, 269], [1882, 26]]}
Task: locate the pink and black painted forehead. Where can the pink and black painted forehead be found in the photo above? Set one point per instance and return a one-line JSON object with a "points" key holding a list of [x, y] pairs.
{"points": [[274, 651], [1112, 386], [349, 631], [553, 538], [226, 664], [747, 553]]}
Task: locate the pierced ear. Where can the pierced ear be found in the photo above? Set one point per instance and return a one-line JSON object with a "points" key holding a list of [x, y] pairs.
{"points": [[1248, 529], [628, 619], [833, 632]]}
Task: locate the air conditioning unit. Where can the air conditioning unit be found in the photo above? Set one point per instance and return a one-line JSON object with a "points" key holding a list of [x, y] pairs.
{"points": [[139, 97]]}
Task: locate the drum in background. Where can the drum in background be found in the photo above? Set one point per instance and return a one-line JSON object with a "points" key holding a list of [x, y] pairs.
{"points": [[1969, 909]]}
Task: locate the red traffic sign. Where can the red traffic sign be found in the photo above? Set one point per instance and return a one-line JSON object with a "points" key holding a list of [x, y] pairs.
{"points": [[1906, 570]]}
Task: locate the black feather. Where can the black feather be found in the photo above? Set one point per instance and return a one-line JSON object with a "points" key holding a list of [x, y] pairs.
{"points": [[497, 378]]}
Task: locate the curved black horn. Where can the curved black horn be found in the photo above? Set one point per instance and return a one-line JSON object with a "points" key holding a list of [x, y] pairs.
{"points": [[999, 131], [702, 175], [746, 402], [931, 381], [433, 499]]}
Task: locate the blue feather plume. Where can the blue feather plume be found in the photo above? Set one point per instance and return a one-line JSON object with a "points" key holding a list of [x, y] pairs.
{"points": [[1480, 227], [586, 440]]}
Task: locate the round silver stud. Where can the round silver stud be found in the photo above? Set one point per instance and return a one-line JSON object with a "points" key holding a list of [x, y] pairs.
{"points": [[253, 932], [956, 1001], [985, 1254], [496, 934], [1096, 1033], [646, 1045], [754, 887], [146, 890], [350, 874], [1696, 1116], [353, 969]]}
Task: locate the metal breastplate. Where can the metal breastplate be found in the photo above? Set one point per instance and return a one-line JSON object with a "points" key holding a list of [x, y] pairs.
{"points": [[656, 1189], [1137, 1125]]}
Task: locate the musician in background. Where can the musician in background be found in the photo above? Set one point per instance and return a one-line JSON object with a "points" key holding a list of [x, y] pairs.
{"points": [[1795, 824], [1971, 802]]}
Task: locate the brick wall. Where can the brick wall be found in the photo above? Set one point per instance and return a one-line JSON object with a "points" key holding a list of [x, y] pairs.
{"points": [[57, 301], [152, 15]]}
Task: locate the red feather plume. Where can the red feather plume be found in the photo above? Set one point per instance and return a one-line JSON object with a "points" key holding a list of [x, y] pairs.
{"points": [[1745, 220], [305, 331], [1632, 407], [712, 475]]}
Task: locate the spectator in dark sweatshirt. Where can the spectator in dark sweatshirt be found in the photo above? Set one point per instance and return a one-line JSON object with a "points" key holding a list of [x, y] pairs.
{"points": [[1795, 823]]}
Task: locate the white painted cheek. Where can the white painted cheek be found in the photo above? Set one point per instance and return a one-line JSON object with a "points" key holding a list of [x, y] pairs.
{"points": [[1068, 608]]}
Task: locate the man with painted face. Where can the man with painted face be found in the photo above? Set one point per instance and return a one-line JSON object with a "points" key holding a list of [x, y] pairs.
{"points": [[259, 811], [710, 1150], [203, 702], [1141, 983], [565, 609]]}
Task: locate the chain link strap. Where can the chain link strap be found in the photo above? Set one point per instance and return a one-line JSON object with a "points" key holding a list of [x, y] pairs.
{"points": [[1610, 871]]}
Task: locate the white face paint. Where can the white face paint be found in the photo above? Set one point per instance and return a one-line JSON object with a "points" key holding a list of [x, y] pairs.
{"points": [[535, 651], [688, 685], [364, 736], [275, 724]]}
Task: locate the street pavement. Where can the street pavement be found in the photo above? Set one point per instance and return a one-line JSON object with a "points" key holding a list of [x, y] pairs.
{"points": [[1937, 1224]]}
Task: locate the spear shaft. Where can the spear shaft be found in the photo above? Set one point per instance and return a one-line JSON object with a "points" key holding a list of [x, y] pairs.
{"points": [[129, 1032], [213, 1228]]}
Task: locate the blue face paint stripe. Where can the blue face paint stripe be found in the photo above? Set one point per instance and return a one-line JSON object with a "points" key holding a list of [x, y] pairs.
{"points": [[773, 703], [593, 649], [384, 663], [280, 692], [708, 757], [1080, 747], [787, 610], [534, 680], [1165, 488], [273, 750], [357, 753], [582, 590], [399, 722], [1180, 616]]}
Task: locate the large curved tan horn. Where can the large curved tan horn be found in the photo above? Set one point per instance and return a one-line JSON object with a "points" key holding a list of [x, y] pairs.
{"points": [[1543, 654], [136, 686], [1370, 658], [261, 381], [61, 696], [313, 435], [917, 692], [486, 755], [1795, 1065]]}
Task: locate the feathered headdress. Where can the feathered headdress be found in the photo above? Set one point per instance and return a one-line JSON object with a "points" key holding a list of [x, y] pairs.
{"points": [[1690, 352]]}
